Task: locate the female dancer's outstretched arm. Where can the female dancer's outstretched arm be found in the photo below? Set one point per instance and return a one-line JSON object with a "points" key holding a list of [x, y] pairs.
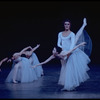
{"points": [[3, 60], [29, 47], [46, 61], [49, 59], [33, 49], [66, 53]]}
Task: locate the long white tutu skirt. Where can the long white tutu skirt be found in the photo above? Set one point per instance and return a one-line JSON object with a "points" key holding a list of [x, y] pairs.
{"points": [[25, 73], [38, 69], [74, 70]]}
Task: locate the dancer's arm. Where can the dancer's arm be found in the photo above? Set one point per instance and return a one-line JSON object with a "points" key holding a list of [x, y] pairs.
{"points": [[33, 49], [3, 60], [66, 53], [80, 30], [59, 42], [54, 54], [29, 47], [9, 60], [46, 61], [81, 44]]}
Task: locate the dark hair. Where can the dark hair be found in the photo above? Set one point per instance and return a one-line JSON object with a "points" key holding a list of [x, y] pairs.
{"points": [[58, 49], [67, 20]]}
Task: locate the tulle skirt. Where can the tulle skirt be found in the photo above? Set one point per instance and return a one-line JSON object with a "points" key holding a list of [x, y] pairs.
{"points": [[24, 73], [39, 69], [74, 70]]}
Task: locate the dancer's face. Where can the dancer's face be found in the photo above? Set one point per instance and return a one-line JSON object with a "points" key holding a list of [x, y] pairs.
{"points": [[67, 25], [27, 53], [15, 56]]}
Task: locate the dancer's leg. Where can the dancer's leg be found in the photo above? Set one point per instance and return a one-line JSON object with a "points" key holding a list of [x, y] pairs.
{"points": [[15, 72]]}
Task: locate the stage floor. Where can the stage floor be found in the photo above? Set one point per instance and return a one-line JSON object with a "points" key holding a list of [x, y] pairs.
{"points": [[47, 86]]}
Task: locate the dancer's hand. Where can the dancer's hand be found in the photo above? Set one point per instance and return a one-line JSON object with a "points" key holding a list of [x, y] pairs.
{"points": [[34, 66], [83, 43], [38, 45], [5, 59], [9, 60], [69, 54]]}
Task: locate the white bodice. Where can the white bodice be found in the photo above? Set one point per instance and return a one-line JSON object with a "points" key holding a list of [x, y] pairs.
{"points": [[66, 42]]}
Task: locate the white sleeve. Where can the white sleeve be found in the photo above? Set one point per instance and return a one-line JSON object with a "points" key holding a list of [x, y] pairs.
{"points": [[59, 41], [72, 41]]}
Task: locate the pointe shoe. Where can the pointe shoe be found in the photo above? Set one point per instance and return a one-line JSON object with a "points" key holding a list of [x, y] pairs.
{"points": [[42, 74], [15, 82], [84, 21], [63, 89]]}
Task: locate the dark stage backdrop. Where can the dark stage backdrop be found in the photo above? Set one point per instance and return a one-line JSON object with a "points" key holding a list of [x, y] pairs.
{"points": [[24, 23]]}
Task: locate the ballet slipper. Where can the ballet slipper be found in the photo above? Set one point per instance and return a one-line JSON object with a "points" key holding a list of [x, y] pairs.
{"points": [[15, 82]]}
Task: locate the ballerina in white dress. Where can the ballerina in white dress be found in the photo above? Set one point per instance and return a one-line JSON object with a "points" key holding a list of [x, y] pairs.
{"points": [[21, 69], [34, 60], [75, 66]]}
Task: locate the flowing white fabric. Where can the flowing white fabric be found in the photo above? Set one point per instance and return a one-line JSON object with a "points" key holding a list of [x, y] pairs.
{"points": [[24, 73], [84, 37], [34, 61]]}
